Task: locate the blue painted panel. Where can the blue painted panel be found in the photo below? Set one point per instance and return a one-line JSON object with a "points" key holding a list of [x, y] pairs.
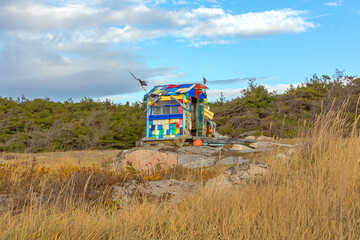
{"points": [[202, 96], [147, 119], [161, 117], [173, 105], [172, 90], [184, 121], [185, 86], [192, 92]]}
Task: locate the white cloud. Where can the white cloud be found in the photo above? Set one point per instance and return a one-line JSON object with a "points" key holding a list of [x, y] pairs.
{"points": [[39, 67], [71, 48], [146, 2], [334, 4], [208, 12], [196, 43], [36, 17], [126, 34], [251, 24], [131, 22]]}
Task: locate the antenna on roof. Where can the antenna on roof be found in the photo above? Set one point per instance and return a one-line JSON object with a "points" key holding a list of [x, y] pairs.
{"points": [[142, 84]]}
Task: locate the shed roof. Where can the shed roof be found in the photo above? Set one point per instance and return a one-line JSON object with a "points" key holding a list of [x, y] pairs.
{"points": [[170, 90]]}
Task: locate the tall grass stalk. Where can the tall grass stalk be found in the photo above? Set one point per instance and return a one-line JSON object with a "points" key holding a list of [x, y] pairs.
{"points": [[312, 195]]}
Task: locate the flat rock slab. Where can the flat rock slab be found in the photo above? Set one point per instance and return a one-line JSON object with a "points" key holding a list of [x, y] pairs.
{"points": [[240, 147], [251, 137], [238, 175], [147, 160], [197, 157]]}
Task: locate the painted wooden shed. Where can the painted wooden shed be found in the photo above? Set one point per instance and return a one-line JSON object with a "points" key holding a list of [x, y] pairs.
{"points": [[176, 110]]}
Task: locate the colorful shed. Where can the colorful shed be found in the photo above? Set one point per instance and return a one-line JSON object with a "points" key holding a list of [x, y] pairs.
{"points": [[176, 110]]}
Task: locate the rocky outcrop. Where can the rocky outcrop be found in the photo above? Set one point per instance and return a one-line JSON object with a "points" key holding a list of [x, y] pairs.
{"points": [[151, 157], [239, 147], [238, 175], [146, 160], [189, 157], [132, 191], [196, 157]]}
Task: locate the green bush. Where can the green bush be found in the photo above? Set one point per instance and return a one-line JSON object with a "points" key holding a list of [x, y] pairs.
{"points": [[281, 114], [44, 125]]}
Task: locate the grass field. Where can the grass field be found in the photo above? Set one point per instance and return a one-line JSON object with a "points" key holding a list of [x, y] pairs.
{"points": [[313, 195], [57, 159]]}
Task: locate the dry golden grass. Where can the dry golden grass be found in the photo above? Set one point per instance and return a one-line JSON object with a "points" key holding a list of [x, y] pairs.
{"points": [[56, 159], [313, 195]]}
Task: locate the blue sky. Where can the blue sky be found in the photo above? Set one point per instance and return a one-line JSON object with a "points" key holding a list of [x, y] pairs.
{"points": [[71, 49]]}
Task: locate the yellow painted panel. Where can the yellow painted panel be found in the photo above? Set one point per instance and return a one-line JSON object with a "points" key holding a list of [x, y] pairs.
{"points": [[168, 98], [208, 114]]}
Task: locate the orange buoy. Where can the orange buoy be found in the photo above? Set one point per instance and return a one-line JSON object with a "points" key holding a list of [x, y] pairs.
{"points": [[209, 135], [198, 143], [210, 130]]}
